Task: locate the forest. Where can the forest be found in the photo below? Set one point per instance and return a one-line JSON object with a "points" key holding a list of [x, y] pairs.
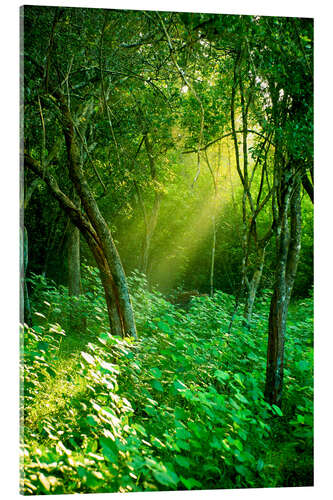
{"points": [[166, 251]]}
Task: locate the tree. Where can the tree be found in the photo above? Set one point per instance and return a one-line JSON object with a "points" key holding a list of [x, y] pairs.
{"points": [[288, 102], [91, 223]]}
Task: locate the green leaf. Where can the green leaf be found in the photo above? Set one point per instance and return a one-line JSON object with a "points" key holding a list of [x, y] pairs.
{"points": [[190, 483], [140, 429], [109, 449], [277, 410], [88, 358], [242, 470], [156, 372], [303, 365], [182, 433], [221, 376], [179, 385], [260, 464], [300, 419], [164, 327], [179, 413], [183, 445], [150, 410], [157, 385], [166, 477], [182, 461]]}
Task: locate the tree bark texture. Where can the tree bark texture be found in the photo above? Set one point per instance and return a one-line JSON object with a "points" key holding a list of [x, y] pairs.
{"points": [[252, 285], [74, 272], [288, 250]]}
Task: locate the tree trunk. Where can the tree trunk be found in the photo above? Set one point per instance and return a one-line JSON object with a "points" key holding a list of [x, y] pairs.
{"points": [[253, 285], [288, 250], [77, 323], [212, 261], [150, 227], [151, 220], [94, 243], [74, 272], [120, 289]]}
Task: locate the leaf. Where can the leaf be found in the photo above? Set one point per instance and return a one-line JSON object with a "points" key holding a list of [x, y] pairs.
{"points": [[45, 482], [300, 419], [216, 443], [166, 477], [179, 386], [150, 410], [88, 358], [164, 327], [156, 372], [239, 380], [221, 376], [42, 316], [108, 366], [242, 470], [277, 410], [260, 464], [183, 445], [157, 385], [182, 433], [182, 461], [92, 420], [140, 429], [190, 483], [108, 449], [179, 413], [241, 398], [303, 365]]}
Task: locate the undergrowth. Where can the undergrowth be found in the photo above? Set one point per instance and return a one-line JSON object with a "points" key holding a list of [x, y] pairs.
{"points": [[181, 408]]}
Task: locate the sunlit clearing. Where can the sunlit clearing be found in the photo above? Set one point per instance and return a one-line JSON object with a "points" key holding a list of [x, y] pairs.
{"points": [[182, 248]]}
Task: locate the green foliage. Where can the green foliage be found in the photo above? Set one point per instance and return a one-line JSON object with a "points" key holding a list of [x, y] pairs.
{"points": [[56, 305], [182, 408]]}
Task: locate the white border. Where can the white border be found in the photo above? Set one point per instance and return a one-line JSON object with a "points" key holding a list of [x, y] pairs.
{"points": [[323, 227]]}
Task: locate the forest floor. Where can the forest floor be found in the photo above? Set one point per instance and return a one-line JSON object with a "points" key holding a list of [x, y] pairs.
{"points": [[181, 408]]}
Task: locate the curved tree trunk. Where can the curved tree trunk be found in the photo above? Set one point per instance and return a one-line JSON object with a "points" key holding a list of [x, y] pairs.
{"points": [[114, 305], [98, 222]]}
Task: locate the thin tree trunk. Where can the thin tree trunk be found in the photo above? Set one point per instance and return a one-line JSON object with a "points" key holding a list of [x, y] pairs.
{"points": [[150, 220], [253, 285], [77, 323], [214, 180], [149, 232], [212, 261], [74, 272], [288, 251]]}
